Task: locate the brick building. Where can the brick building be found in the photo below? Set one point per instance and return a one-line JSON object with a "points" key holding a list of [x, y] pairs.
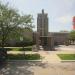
{"points": [[45, 38]]}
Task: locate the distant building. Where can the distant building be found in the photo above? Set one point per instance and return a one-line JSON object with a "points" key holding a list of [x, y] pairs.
{"points": [[59, 37], [42, 29], [42, 24], [45, 38]]}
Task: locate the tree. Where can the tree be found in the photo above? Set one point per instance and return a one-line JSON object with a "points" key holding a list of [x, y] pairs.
{"points": [[10, 19], [22, 35], [72, 35]]}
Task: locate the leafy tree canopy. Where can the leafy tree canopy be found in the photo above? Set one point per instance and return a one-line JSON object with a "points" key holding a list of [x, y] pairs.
{"points": [[10, 21], [72, 35]]}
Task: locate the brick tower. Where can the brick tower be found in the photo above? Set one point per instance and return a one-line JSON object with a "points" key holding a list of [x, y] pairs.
{"points": [[42, 27], [42, 38], [42, 24]]}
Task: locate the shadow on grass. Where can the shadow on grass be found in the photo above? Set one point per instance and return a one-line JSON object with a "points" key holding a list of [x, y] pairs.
{"points": [[23, 56], [7, 49], [25, 49]]}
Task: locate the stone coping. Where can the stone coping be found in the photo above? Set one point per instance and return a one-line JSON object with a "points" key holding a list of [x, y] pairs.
{"points": [[22, 60], [67, 60]]}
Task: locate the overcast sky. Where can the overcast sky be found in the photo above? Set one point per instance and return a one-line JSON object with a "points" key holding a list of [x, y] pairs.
{"points": [[60, 12]]}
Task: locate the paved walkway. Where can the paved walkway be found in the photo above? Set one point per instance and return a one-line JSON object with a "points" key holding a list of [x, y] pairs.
{"points": [[47, 56], [63, 47], [51, 56], [37, 68], [50, 65]]}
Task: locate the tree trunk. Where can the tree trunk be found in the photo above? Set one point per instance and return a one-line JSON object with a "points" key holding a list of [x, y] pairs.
{"points": [[3, 51]]}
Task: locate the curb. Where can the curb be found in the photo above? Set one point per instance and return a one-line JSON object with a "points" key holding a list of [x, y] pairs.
{"points": [[67, 60], [23, 60]]}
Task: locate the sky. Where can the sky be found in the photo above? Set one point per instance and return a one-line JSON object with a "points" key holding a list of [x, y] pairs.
{"points": [[60, 12]]}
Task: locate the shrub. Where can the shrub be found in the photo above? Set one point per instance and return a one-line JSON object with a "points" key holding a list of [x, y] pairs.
{"points": [[3, 54], [24, 43], [25, 49], [23, 57], [32, 56]]}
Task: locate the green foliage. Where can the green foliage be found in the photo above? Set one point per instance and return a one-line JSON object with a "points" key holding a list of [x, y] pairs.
{"points": [[72, 35], [2, 54], [24, 57], [29, 48], [8, 21], [67, 56], [26, 49], [32, 56], [12, 23]]}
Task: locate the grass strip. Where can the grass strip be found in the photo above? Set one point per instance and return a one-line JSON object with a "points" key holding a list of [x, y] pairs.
{"points": [[67, 56]]}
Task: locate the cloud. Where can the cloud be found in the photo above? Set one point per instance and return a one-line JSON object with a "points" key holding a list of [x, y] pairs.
{"points": [[64, 19]]}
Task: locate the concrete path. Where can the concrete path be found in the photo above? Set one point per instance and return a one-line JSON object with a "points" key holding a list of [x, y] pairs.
{"points": [[37, 68], [49, 65], [49, 57], [63, 47]]}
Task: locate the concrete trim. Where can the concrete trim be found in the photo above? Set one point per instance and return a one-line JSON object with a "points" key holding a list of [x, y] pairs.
{"points": [[67, 60], [23, 60]]}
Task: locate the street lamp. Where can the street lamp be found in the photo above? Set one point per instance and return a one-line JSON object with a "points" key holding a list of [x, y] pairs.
{"points": [[21, 39]]}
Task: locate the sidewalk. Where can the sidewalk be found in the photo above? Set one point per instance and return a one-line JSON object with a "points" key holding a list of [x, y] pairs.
{"points": [[63, 47], [51, 56], [47, 56]]}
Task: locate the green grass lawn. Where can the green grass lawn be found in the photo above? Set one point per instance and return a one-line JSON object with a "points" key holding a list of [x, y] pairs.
{"points": [[23, 57], [67, 56], [22, 49], [28, 48]]}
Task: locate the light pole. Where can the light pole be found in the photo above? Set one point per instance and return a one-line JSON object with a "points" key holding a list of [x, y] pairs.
{"points": [[21, 39]]}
